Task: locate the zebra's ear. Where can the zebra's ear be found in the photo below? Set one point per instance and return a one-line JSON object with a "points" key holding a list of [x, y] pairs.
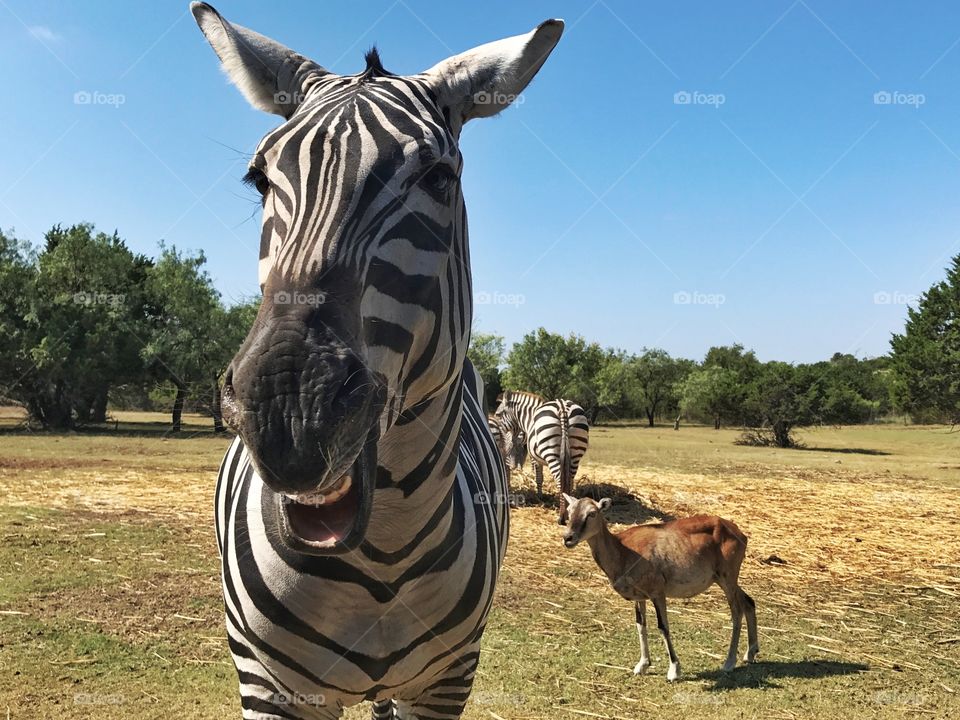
{"points": [[483, 81], [271, 76]]}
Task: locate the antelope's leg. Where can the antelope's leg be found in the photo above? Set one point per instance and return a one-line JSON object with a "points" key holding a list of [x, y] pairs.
{"points": [[641, 613], [660, 604], [750, 608], [735, 599]]}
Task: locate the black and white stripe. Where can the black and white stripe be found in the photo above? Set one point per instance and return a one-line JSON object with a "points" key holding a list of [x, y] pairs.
{"points": [[363, 215], [557, 436]]}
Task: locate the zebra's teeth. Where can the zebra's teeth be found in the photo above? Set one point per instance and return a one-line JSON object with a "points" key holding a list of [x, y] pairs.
{"points": [[327, 497]]}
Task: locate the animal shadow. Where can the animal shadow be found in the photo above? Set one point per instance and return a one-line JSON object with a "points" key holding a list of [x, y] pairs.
{"points": [[626, 508], [765, 674]]}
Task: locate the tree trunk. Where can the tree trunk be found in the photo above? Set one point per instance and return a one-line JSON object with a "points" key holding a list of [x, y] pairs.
{"points": [[649, 418], [716, 422], [98, 412], [676, 423], [178, 407], [215, 408], [781, 434], [594, 414]]}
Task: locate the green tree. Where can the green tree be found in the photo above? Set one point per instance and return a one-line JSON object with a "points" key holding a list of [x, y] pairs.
{"points": [[778, 400], [80, 333], [657, 382], [556, 367], [183, 347], [712, 392], [486, 352], [926, 357]]}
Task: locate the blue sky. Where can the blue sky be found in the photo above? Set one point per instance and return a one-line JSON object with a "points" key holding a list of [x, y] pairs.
{"points": [[786, 206]]}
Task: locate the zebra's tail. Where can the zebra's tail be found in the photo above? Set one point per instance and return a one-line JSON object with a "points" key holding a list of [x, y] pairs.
{"points": [[566, 469]]}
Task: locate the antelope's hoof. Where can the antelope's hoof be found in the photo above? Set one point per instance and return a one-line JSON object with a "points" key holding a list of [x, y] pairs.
{"points": [[673, 674], [729, 666], [641, 667]]}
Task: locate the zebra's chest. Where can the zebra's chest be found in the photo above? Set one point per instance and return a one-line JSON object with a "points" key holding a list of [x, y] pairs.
{"points": [[356, 624]]}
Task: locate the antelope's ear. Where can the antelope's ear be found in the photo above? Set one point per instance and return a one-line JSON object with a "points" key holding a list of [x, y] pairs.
{"points": [[604, 504], [271, 76], [483, 81], [570, 499]]}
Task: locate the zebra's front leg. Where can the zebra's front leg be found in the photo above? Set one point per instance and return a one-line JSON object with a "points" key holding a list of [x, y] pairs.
{"points": [[446, 696]]}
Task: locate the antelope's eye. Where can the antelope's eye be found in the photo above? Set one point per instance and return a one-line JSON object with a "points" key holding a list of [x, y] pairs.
{"points": [[256, 178], [438, 181]]}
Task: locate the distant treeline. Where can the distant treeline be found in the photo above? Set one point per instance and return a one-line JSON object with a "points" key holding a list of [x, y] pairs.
{"points": [[730, 386], [86, 324]]}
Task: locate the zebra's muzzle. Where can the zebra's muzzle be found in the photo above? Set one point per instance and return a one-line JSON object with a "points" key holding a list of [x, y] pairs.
{"points": [[333, 521]]}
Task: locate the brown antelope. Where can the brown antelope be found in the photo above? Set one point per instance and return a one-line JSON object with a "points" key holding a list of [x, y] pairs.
{"points": [[677, 559]]}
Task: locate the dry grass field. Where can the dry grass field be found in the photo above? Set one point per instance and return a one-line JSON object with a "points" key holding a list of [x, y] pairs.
{"points": [[110, 606]]}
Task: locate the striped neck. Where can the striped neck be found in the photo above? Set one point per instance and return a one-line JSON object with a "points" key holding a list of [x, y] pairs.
{"points": [[417, 458]]}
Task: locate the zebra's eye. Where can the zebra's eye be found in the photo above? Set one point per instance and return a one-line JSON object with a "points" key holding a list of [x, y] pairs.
{"points": [[438, 181], [255, 177]]}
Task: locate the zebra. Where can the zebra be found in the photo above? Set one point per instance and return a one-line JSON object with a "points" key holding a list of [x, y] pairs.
{"points": [[557, 436], [510, 438], [357, 564]]}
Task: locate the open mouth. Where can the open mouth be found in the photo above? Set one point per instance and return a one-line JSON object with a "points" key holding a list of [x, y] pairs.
{"points": [[335, 520]]}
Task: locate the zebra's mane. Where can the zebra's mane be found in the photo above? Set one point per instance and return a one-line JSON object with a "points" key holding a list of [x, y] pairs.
{"points": [[374, 65]]}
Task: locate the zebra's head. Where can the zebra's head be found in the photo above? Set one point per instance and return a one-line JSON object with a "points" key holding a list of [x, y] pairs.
{"points": [[364, 264], [514, 438]]}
